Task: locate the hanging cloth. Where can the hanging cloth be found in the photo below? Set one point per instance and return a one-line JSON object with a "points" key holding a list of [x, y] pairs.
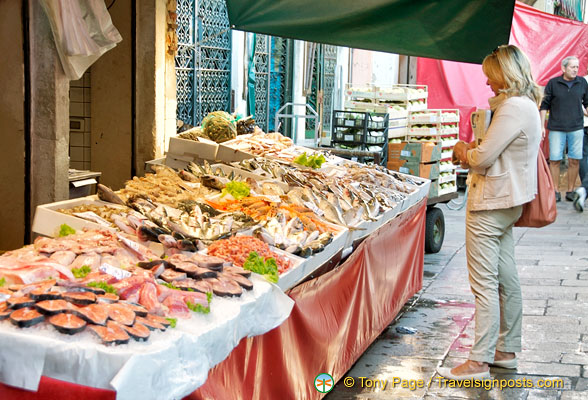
{"points": [[82, 31]]}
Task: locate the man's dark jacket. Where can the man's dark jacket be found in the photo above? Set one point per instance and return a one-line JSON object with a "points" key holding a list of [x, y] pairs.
{"points": [[565, 104]]}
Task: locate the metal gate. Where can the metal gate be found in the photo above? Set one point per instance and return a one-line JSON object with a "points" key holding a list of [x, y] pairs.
{"points": [[272, 63], [203, 60], [323, 78], [262, 77]]}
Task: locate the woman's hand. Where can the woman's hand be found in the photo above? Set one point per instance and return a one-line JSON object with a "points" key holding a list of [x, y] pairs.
{"points": [[460, 152]]}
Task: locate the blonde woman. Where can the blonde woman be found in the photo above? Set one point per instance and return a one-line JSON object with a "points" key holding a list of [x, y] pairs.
{"points": [[503, 176]]}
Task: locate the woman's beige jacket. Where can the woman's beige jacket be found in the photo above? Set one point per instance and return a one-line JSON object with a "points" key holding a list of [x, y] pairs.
{"points": [[503, 168]]}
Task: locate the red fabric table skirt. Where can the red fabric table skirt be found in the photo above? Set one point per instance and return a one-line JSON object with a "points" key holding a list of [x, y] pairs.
{"points": [[336, 317]]}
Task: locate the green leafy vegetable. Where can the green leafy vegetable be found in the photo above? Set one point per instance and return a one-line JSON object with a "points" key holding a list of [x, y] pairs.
{"points": [[65, 230], [312, 161], [172, 322], [103, 285], [236, 189], [267, 268], [81, 272], [2, 282], [171, 286], [199, 307]]}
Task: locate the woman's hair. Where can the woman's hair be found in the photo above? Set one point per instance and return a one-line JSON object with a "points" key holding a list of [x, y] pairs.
{"points": [[509, 66]]}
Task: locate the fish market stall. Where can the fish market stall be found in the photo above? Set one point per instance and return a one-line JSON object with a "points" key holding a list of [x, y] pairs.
{"points": [[198, 246]]}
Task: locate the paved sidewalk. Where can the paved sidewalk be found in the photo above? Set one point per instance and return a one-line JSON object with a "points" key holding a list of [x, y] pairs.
{"points": [[553, 269]]}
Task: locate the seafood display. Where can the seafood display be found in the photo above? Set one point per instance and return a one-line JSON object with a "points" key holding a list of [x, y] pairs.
{"points": [[71, 309], [237, 249]]}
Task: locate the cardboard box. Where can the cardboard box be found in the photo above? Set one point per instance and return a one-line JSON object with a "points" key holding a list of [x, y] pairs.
{"points": [[203, 149], [424, 170], [417, 152]]}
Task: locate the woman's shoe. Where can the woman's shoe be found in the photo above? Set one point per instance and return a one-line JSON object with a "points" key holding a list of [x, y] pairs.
{"points": [[508, 364], [446, 373]]}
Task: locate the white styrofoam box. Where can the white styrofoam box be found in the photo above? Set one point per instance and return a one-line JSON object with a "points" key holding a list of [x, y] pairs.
{"points": [[293, 276], [417, 106], [428, 131], [363, 93], [449, 143], [229, 154], [397, 111], [447, 178], [431, 117], [446, 155], [449, 116], [449, 131], [448, 190], [48, 220], [196, 149], [397, 122], [447, 167]]}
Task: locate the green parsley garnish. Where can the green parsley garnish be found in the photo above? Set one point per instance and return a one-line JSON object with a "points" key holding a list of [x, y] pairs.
{"points": [[171, 286], [81, 272], [267, 268], [172, 322], [65, 230], [103, 285], [2, 282], [199, 307]]}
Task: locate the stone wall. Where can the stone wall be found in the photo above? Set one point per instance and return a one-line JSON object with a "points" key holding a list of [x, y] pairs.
{"points": [[12, 151], [111, 102]]}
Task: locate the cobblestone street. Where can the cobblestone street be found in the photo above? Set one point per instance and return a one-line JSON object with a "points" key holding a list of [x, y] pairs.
{"points": [[553, 270]]}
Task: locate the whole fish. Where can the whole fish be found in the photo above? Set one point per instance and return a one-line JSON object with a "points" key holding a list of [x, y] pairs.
{"points": [[106, 194]]}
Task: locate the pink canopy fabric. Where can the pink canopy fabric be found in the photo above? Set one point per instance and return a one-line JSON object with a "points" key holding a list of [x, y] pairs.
{"points": [[545, 38]]}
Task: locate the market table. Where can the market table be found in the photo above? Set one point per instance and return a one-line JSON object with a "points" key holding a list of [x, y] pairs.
{"points": [[336, 316]]}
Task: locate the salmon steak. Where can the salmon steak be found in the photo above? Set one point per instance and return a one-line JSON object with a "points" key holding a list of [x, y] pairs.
{"points": [[139, 332], [80, 298], [96, 314], [25, 317], [20, 302], [112, 333], [52, 307], [121, 313], [67, 323]]}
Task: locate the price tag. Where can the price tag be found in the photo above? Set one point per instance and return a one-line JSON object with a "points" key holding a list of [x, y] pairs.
{"points": [[130, 244], [114, 271], [405, 153], [404, 170], [314, 208], [349, 122], [348, 138], [91, 216]]}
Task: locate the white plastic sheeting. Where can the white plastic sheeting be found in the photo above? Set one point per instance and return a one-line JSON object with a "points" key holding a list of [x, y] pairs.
{"points": [[82, 31], [170, 365]]}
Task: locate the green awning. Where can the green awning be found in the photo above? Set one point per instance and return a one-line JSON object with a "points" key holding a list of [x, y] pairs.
{"points": [[458, 30]]}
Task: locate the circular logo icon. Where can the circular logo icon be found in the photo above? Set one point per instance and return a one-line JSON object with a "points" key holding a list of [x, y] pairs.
{"points": [[324, 383]]}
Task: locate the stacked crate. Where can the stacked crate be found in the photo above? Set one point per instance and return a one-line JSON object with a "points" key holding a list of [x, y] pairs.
{"points": [[441, 127], [395, 100], [419, 159]]}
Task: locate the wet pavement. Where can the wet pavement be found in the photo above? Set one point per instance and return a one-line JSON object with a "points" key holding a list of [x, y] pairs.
{"points": [[436, 327]]}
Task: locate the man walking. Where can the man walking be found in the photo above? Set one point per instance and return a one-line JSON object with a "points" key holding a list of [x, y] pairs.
{"points": [[581, 191], [565, 98]]}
